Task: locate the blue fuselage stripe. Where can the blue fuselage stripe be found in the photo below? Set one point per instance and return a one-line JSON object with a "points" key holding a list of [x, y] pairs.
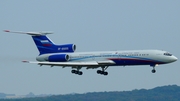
{"points": [[121, 60]]}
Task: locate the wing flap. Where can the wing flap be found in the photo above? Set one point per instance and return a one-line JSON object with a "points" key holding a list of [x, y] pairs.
{"points": [[105, 62]]}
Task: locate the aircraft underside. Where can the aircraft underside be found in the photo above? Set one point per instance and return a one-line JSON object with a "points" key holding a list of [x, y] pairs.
{"points": [[127, 62]]}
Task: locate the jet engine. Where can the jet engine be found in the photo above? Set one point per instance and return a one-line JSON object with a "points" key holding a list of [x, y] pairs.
{"points": [[58, 58], [66, 48]]}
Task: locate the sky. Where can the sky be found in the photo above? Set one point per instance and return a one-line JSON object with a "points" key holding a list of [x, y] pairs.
{"points": [[93, 25]]}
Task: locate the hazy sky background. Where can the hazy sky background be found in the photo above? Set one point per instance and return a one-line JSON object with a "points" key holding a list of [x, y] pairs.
{"points": [[94, 25]]}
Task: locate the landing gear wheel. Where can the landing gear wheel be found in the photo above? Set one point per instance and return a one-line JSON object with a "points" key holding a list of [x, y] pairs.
{"points": [[73, 71], [105, 73], [98, 71], [102, 72], [76, 72], [153, 71], [80, 73]]}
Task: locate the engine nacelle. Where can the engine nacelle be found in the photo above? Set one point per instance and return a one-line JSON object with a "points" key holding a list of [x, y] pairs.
{"points": [[66, 48], [58, 58]]}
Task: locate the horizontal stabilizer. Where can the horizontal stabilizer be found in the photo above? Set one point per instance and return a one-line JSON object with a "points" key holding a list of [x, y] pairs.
{"points": [[29, 33]]}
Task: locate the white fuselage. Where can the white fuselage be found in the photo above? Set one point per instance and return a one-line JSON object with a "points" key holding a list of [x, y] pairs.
{"points": [[132, 57]]}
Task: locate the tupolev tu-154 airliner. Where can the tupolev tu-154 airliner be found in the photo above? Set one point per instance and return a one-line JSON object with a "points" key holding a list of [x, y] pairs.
{"points": [[64, 55]]}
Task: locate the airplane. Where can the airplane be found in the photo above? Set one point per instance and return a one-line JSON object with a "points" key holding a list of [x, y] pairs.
{"points": [[64, 55]]}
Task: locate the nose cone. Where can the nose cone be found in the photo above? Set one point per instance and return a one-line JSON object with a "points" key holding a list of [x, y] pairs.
{"points": [[173, 59]]}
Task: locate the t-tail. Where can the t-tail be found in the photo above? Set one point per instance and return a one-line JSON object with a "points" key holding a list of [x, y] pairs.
{"points": [[45, 45]]}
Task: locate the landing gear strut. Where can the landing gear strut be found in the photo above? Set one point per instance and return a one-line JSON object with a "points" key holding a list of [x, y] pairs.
{"points": [[102, 72], [153, 70]]}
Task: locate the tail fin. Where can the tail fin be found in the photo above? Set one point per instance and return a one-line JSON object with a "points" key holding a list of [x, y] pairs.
{"points": [[45, 45]]}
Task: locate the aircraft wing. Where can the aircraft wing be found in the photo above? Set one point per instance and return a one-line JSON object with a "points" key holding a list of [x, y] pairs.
{"points": [[88, 63]]}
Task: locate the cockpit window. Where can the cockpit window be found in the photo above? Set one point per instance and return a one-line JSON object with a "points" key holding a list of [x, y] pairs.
{"points": [[167, 54]]}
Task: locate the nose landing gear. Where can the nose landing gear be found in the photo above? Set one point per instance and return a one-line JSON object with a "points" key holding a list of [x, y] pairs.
{"points": [[154, 70]]}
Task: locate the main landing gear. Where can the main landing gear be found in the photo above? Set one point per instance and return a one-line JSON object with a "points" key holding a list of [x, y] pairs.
{"points": [[103, 72], [77, 72]]}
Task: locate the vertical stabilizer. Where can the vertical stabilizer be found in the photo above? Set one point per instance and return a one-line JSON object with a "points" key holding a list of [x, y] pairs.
{"points": [[45, 45]]}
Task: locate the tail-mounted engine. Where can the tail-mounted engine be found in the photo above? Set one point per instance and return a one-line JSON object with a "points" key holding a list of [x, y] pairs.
{"points": [[66, 48], [53, 58], [58, 58]]}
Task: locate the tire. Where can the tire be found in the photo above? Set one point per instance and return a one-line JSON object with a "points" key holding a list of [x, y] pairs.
{"points": [[99, 71], [80, 73], [153, 71], [105, 73], [73, 71]]}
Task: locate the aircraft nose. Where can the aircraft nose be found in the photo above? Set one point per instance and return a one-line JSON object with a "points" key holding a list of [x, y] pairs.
{"points": [[174, 59]]}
